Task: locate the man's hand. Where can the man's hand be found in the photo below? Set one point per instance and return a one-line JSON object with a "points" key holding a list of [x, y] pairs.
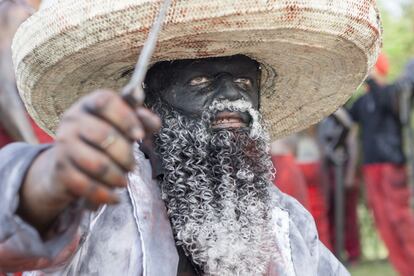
{"points": [[91, 156]]}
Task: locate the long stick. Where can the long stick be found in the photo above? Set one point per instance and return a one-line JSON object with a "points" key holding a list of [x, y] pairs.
{"points": [[133, 92]]}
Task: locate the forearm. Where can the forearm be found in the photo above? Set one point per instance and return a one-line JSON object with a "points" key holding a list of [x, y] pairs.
{"points": [[21, 247], [352, 146]]}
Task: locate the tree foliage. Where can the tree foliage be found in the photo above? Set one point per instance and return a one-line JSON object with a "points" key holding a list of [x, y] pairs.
{"points": [[398, 38]]}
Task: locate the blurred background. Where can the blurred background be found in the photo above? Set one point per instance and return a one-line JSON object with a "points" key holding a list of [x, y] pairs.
{"points": [[319, 170], [398, 24]]}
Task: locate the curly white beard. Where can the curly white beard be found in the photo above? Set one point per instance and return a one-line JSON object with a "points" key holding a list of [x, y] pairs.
{"points": [[215, 186]]}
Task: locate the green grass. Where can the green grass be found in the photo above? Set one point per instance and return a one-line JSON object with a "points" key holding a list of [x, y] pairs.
{"points": [[379, 268], [372, 246], [374, 253]]}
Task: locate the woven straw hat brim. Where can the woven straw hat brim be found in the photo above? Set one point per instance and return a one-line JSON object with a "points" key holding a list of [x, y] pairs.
{"points": [[314, 53]]}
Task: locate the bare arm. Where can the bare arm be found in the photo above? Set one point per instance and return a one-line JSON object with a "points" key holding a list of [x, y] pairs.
{"points": [[352, 145]]}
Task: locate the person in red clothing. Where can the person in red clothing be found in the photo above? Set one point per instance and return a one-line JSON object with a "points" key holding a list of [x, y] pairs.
{"points": [[338, 136], [309, 160], [289, 178], [15, 125], [378, 114]]}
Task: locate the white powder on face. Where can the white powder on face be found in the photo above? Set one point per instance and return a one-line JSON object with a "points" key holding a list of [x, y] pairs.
{"points": [[256, 129]]}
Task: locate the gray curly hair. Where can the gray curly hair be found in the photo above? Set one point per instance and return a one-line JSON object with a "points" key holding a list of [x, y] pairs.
{"points": [[215, 186]]}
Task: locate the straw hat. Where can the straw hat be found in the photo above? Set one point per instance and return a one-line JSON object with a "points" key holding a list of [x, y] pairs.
{"points": [[314, 53]]}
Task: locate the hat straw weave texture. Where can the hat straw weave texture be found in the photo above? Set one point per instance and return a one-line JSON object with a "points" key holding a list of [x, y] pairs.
{"points": [[314, 53]]}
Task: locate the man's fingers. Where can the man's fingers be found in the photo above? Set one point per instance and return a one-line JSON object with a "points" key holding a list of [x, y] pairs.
{"points": [[96, 165], [98, 194], [111, 108], [80, 185], [95, 145], [107, 139], [150, 121]]}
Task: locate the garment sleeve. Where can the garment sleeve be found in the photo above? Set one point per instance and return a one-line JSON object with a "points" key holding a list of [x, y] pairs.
{"points": [[21, 247]]}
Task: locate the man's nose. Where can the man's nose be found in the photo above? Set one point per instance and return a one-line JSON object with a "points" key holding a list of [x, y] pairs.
{"points": [[227, 89]]}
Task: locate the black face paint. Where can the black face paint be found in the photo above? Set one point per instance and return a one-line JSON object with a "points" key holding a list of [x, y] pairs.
{"points": [[191, 86], [216, 169]]}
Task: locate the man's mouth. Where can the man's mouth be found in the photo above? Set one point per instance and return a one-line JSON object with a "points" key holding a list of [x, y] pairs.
{"points": [[227, 119]]}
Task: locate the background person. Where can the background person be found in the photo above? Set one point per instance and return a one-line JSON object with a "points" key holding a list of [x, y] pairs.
{"points": [[338, 137], [377, 113]]}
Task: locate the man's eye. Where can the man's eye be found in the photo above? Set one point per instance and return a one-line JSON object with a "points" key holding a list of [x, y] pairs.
{"points": [[199, 81], [244, 81]]}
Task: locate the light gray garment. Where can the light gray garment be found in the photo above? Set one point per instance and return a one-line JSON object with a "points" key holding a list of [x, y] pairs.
{"points": [[135, 237]]}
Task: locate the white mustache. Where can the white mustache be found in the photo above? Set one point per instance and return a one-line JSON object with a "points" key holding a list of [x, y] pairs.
{"points": [[241, 106]]}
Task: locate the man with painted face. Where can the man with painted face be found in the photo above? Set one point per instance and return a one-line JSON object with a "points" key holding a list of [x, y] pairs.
{"points": [[195, 194]]}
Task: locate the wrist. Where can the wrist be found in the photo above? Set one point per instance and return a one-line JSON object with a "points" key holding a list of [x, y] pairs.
{"points": [[42, 199]]}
